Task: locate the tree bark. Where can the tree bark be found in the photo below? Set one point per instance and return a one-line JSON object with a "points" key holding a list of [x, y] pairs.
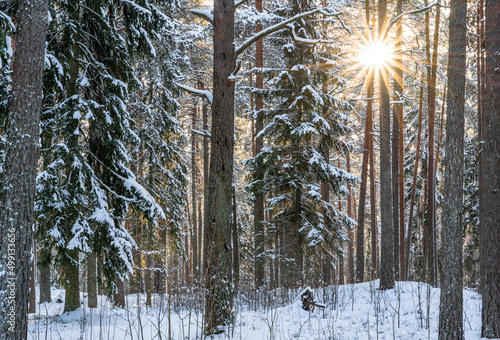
{"points": [[259, 143], [32, 286], [236, 248], [451, 301], [490, 231], [92, 281], [219, 281], [44, 278], [373, 194], [397, 151], [387, 232], [431, 106], [194, 200], [17, 200]]}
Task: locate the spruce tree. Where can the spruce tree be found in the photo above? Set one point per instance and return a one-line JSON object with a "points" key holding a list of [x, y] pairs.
{"points": [[291, 168]]}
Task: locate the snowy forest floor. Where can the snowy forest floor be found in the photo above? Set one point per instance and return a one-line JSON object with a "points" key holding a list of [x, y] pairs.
{"points": [[358, 311]]}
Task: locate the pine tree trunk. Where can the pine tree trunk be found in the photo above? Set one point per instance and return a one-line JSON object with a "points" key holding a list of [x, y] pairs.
{"points": [[259, 143], [397, 152], [148, 275], [387, 231], [360, 232], [236, 248], [373, 194], [206, 157], [490, 231], [32, 286], [44, 264], [92, 281], [431, 105], [18, 200], [194, 200], [414, 185], [219, 281], [325, 196], [451, 303]]}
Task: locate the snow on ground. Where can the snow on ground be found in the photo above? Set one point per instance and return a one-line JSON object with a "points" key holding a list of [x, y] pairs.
{"points": [[352, 312]]}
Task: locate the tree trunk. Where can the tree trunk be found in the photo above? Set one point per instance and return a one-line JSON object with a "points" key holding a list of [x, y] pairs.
{"points": [[92, 280], [414, 185], [236, 248], [490, 231], [194, 200], [431, 106], [71, 281], [32, 286], [373, 194], [148, 276], [259, 143], [387, 232], [17, 203], [44, 278], [219, 290], [206, 157], [451, 303], [397, 151], [360, 232], [119, 296]]}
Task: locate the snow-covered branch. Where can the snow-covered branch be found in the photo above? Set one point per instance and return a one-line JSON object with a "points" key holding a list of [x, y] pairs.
{"points": [[418, 10], [204, 14], [277, 27], [202, 93], [239, 3]]}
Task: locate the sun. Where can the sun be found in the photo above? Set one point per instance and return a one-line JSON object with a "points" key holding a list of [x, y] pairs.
{"points": [[375, 54]]}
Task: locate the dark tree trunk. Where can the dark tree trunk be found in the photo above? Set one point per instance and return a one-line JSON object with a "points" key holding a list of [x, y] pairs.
{"points": [[206, 163], [387, 231], [490, 231], [44, 279], [18, 201], [259, 143], [219, 282], [236, 248], [92, 281], [119, 296], [148, 275], [451, 303], [194, 200], [71, 281], [32, 287]]}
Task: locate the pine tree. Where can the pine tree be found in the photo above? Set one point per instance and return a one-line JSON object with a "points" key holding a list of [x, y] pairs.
{"points": [[19, 175], [489, 231], [451, 303]]}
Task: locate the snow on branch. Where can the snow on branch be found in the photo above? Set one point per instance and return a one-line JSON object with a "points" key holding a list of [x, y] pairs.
{"points": [[277, 27], [418, 10], [204, 14], [239, 3], [202, 93]]}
